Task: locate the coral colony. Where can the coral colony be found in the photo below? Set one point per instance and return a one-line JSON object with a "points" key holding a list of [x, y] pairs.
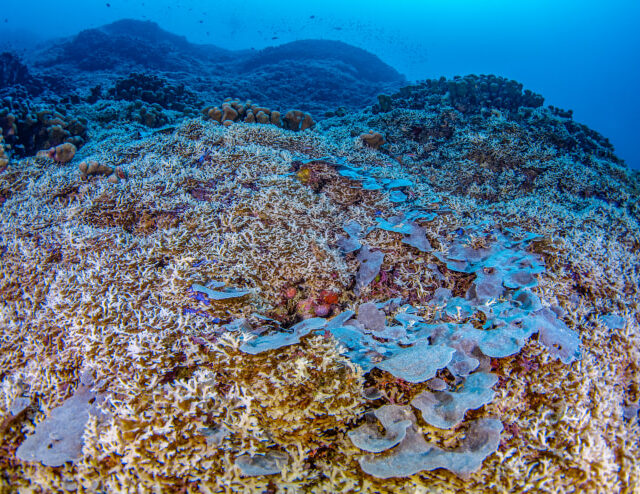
{"points": [[437, 293]]}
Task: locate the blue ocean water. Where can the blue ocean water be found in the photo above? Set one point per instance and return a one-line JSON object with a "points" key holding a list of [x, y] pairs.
{"points": [[580, 55]]}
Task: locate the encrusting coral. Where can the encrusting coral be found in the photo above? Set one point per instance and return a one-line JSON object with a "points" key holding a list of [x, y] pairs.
{"points": [[181, 292]]}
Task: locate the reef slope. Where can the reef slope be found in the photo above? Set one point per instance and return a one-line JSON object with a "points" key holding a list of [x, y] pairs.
{"points": [[111, 302]]}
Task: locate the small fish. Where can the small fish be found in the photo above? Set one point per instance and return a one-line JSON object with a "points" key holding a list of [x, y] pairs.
{"points": [[108, 5], [274, 37], [312, 17]]}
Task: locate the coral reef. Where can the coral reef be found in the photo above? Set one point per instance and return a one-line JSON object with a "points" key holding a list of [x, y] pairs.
{"points": [[95, 169], [4, 158], [129, 44], [438, 293], [466, 94], [372, 139], [62, 153], [13, 72], [152, 89], [30, 128], [233, 110], [148, 115], [312, 75], [220, 299], [366, 65], [495, 155]]}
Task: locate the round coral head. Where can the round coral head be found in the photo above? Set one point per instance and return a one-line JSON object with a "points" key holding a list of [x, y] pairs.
{"points": [[322, 310], [329, 297], [290, 292]]}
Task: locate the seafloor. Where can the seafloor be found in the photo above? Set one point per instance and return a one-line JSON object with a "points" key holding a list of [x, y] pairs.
{"points": [[175, 317]]}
